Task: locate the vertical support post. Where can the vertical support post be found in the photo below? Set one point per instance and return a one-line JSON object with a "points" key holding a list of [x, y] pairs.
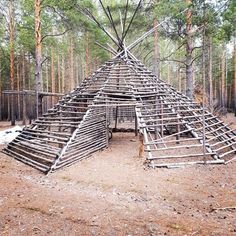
{"points": [[107, 128], [136, 125], [177, 126], [116, 117], [156, 129], [161, 117], [24, 94], [204, 90], [234, 80], [12, 60], [24, 109]]}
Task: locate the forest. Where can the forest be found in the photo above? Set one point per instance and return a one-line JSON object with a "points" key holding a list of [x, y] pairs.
{"points": [[48, 47]]}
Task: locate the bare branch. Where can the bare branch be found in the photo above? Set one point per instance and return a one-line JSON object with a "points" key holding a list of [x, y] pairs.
{"points": [[47, 58], [195, 59], [196, 48], [55, 35]]}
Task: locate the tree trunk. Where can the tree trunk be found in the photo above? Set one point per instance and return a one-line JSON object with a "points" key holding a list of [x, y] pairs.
{"points": [[11, 15], [223, 100], [209, 76], [38, 56], [47, 84], [230, 94], [8, 108], [63, 73], [76, 71], [234, 77], [168, 73], [203, 67], [87, 57], [28, 72], [72, 65], [23, 88], [189, 51], [52, 77], [18, 89], [194, 74], [156, 67], [156, 62], [59, 73], [1, 99], [226, 84], [179, 79]]}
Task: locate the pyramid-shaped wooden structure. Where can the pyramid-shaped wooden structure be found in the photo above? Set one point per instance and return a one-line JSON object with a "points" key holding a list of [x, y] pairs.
{"points": [[176, 131]]}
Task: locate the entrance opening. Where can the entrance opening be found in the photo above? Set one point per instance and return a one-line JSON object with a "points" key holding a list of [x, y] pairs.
{"points": [[122, 119]]}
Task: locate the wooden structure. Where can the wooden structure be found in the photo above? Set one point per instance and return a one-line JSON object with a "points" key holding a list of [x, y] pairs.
{"points": [[176, 131]]}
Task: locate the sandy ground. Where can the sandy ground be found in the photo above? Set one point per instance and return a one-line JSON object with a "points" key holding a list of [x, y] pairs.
{"points": [[112, 193]]}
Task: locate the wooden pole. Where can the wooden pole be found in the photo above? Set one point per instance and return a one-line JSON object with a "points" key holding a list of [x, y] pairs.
{"points": [[53, 88], [23, 87], [189, 51], [156, 65], [204, 91], [47, 83], [59, 73], [234, 77], [38, 56], [210, 75], [87, 56], [12, 60], [168, 73], [136, 125], [72, 64], [18, 89], [1, 98], [223, 77], [63, 73], [179, 80]]}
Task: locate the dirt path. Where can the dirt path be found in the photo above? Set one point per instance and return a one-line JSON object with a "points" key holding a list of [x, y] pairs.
{"points": [[112, 193]]}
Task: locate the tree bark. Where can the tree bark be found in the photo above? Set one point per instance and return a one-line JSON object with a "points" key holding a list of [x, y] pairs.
{"points": [[77, 70], [179, 79], [47, 84], [226, 83], [87, 57], [18, 89], [234, 77], [223, 99], [203, 67], [168, 73], [38, 56], [8, 108], [156, 62], [209, 76], [23, 87], [1, 99], [189, 51], [52, 76], [72, 76], [59, 72], [63, 73], [12, 61]]}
